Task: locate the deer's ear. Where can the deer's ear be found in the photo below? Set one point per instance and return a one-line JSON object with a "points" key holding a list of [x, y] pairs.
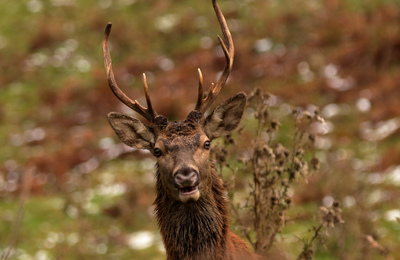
{"points": [[132, 131], [226, 117]]}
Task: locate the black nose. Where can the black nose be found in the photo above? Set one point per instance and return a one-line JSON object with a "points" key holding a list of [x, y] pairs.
{"points": [[186, 177]]}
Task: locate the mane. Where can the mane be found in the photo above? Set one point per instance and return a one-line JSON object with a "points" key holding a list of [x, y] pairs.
{"points": [[194, 230]]}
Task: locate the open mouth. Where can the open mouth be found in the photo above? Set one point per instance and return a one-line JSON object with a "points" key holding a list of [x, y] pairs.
{"points": [[188, 190]]}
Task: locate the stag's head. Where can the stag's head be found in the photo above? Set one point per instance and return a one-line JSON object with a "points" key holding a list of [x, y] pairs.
{"points": [[182, 147]]}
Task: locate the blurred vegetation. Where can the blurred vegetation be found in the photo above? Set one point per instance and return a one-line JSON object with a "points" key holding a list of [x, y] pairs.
{"points": [[91, 196]]}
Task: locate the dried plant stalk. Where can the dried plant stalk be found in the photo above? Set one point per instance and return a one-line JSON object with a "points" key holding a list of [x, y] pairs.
{"points": [[19, 215], [274, 168]]}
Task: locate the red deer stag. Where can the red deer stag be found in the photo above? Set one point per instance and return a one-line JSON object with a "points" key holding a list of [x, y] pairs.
{"points": [[191, 207]]}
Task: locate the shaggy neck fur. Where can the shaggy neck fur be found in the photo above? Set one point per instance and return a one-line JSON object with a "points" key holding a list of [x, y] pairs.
{"points": [[194, 230]]}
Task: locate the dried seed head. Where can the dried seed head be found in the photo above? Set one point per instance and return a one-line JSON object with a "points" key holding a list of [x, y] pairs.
{"points": [[281, 153], [242, 159], [320, 119], [286, 153], [267, 96], [274, 201], [297, 164], [229, 140], [220, 155], [275, 124], [266, 150], [336, 204], [256, 92], [323, 210], [307, 254], [299, 152], [307, 114], [292, 174], [315, 163], [311, 137], [278, 170], [304, 168], [332, 215]]}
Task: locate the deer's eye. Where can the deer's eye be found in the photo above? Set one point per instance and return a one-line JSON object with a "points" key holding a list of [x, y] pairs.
{"points": [[157, 152], [207, 145]]}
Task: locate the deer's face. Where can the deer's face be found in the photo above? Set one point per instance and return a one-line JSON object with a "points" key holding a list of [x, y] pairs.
{"points": [[182, 148], [184, 165]]}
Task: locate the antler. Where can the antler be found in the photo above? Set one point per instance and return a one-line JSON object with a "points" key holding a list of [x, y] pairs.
{"points": [[149, 113], [203, 104]]}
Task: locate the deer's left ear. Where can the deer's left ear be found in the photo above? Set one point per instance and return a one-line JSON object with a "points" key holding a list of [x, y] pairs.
{"points": [[226, 117]]}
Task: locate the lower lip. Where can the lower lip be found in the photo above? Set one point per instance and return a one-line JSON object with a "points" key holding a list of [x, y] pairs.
{"points": [[196, 188]]}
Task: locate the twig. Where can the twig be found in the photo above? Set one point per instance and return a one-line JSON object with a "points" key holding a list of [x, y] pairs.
{"points": [[25, 192], [316, 234], [241, 224], [372, 242]]}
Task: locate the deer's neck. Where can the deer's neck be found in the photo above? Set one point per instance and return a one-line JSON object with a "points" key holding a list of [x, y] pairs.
{"points": [[194, 230]]}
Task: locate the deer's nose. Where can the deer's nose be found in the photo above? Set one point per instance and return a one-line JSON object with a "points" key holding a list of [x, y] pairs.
{"points": [[186, 177]]}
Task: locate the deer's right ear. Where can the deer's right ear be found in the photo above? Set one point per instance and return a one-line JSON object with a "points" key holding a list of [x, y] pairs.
{"points": [[132, 131]]}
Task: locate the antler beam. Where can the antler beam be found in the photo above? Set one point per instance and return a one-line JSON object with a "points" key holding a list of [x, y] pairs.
{"points": [[203, 104], [149, 113]]}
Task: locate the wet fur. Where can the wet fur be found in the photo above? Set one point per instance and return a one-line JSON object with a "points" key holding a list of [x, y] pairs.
{"points": [[198, 230]]}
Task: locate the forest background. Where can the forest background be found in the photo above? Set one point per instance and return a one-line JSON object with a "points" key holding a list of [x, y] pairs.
{"points": [[91, 196]]}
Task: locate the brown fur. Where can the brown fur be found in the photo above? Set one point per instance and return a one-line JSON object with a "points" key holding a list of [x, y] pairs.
{"points": [[198, 230]]}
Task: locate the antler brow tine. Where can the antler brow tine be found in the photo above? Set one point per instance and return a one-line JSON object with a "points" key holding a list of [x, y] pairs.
{"points": [[148, 113], [200, 94], [150, 108], [228, 48]]}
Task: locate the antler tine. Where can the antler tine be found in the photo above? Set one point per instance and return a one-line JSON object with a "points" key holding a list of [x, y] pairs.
{"points": [[148, 113], [150, 108], [229, 54], [200, 95]]}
